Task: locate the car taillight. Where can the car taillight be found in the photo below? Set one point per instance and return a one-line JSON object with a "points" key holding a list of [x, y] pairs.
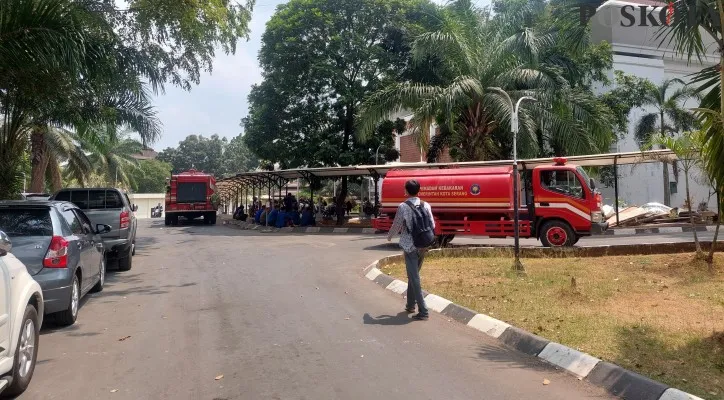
{"points": [[125, 219], [57, 255]]}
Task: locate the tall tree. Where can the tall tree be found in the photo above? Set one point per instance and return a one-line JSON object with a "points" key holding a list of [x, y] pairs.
{"points": [[512, 51], [198, 152], [700, 24], [150, 176], [669, 118], [65, 63], [320, 59], [238, 158]]}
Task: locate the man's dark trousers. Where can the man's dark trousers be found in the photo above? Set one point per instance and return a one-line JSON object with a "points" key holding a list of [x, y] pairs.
{"points": [[413, 263]]}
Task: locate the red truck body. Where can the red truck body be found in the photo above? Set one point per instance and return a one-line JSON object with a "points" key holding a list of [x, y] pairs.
{"points": [[189, 195], [558, 202]]}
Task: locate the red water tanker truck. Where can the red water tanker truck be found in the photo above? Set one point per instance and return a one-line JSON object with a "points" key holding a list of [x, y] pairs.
{"points": [[559, 202], [191, 194]]}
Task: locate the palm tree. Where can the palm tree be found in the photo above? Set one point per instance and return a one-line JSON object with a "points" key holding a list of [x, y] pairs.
{"points": [[689, 148], [63, 67], [668, 119], [703, 16], [110, 157], [476, 53], [42, 41]]}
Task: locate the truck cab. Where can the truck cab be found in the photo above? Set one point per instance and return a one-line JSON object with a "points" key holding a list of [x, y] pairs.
{"points": [[563, 203]]}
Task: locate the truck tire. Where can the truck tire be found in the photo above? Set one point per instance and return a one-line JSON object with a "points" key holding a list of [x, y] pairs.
{"points": [[174, 220], [557, 234], [213, 219], [167, 220], [125, 263], [23, 367]]}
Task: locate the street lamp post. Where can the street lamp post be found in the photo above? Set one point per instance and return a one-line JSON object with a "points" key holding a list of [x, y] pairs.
{"points": [[514, 129]]}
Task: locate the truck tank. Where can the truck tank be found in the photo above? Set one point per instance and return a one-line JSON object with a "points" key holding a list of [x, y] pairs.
{"points": [[469, 191]]}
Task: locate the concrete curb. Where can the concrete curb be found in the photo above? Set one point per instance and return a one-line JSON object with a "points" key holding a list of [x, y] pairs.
{"points": [[614, 379], [648, 230]]}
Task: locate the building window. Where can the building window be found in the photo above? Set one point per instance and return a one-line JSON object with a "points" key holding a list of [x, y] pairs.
{"points": [[673, 187]]}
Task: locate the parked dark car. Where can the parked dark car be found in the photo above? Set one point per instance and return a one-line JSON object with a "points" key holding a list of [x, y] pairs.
{"points": [[109, 207], [61, 249]]}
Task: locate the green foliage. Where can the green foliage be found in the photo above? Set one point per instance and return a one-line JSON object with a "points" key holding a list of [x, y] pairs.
{"points": [[321, 58], [150, 176], [212, 154], [525, 49], [629, 92], [670, 116]]}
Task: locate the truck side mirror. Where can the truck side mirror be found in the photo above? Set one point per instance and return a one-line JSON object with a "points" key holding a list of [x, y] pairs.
{"points": [[593, 184]]}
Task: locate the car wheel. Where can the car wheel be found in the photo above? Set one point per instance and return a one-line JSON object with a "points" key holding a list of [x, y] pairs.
{"points": [[133, 248], [69, 316], [556, 234], [26, 353], [102, 278], [125, 263]]}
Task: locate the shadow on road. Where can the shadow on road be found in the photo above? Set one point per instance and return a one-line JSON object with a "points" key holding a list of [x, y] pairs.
{"points": [[510, 358], [401, 318]]}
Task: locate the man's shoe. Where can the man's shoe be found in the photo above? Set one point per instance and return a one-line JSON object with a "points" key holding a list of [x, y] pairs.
{"points": [[420, 317], [410, 310]]}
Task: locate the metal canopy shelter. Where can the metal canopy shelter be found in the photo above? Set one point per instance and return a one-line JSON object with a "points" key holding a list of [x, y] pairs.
{"points": [[268, 179]]}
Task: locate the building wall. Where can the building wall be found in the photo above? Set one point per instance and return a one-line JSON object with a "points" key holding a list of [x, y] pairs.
{"points": [[146, 201], [636, 52]]}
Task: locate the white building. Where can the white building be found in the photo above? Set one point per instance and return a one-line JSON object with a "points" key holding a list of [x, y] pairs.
{"points": [[636, 51]]}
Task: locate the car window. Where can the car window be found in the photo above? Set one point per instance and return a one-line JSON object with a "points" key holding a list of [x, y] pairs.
{"points": [[565, 182], [113, 199], [26, 222], [79, 198], [96, 199], [73, 222], [63, 196], [127, 199], [84, 221]]}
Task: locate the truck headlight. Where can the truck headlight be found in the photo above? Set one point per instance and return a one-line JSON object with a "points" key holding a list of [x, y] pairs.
{"points": [[596, 216]]}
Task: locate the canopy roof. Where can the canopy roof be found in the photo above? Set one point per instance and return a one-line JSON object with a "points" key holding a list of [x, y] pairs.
{"points": [[266, 178]]}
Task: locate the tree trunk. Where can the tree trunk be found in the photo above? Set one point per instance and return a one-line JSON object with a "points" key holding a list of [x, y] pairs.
{"points": [[699, 252], [667, 180], [53, 175], [348, 132], [712, 249], [39, 159]]}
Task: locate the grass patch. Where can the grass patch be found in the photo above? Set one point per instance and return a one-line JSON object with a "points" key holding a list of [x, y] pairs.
{"points": [[659, 315]]}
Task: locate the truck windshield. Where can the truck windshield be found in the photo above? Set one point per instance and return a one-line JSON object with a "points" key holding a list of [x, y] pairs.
{"points": [[586, 178], [562, 181], [191, 192]]}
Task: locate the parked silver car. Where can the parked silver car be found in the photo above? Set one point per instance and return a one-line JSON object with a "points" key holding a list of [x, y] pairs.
{"points": [[60, 248], [111, 207]]}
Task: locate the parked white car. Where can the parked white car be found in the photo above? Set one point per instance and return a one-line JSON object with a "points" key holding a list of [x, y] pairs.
{"points": [[21, 314]]}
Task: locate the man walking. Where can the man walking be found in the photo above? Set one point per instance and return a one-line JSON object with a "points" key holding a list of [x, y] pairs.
{"points": [[415, 224]]}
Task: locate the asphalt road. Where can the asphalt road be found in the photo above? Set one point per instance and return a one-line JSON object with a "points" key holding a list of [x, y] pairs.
{"points": [[280, 317]]}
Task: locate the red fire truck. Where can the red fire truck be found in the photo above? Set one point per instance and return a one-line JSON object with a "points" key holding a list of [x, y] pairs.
{"points": [[559, 202], [191, 194]]}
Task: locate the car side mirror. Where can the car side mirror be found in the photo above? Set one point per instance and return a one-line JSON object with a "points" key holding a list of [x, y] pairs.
{"points": [[5, 244], [103, 228], [135, 208], [593, 184]]}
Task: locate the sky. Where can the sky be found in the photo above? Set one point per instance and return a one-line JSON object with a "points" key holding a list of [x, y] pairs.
{"points": [[218, 103]]}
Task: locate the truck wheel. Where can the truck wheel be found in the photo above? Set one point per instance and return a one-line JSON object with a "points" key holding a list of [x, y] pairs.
{"points": [[556, 234], [174, 220], [125, 263], [167, 220], [26, 354], [213, 219]]}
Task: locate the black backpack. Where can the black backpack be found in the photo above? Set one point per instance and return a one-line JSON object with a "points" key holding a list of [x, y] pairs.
{"points": [[423, 235]]}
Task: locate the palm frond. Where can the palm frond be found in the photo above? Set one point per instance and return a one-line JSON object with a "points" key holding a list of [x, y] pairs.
{"points": [[646, 127]]}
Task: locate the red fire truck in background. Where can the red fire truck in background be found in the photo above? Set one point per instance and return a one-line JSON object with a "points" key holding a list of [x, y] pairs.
{"points": [[559, 202], [191, 194]]}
